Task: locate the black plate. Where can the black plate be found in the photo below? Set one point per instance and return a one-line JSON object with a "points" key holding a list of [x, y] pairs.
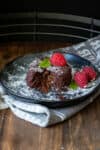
{"points": [[13, 75]]}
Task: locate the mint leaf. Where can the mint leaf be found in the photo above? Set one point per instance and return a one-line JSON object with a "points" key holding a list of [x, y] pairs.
{"points": [[45, 63], [73, 85]]}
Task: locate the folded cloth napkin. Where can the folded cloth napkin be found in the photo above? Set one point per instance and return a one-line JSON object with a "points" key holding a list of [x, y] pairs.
{"points": [[43, 116]]}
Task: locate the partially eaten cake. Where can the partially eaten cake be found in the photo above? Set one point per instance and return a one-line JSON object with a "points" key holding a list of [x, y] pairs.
{"points": [[49, 73]]}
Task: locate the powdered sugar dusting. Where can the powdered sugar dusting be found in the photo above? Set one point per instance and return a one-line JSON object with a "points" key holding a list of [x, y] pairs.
{"points": [[57, 70], [35, 65], [15, 81]]}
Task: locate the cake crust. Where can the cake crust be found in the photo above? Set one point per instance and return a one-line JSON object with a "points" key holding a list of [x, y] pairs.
{"points": [[54, 78]]}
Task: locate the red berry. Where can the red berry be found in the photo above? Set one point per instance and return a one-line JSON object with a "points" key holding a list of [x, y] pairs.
{"points": [[57, 59], [90, 72], [81, 79]]}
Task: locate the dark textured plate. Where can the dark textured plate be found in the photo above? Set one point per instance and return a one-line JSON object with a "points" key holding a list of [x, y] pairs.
{"points": [[13, 76]]}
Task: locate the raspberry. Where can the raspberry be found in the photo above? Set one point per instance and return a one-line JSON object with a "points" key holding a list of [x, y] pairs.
{"points": [[81, 79], [57, 59], [90, 72]]}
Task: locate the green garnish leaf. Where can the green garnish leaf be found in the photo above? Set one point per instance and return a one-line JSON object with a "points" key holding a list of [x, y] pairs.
{"points": [[45, 63], [73, 85]]}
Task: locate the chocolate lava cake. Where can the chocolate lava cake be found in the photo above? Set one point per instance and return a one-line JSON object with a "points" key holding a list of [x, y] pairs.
{"points": [[47, 74]]}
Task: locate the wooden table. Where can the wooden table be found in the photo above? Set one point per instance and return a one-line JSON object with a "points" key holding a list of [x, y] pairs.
{"points": [[81, 132]]}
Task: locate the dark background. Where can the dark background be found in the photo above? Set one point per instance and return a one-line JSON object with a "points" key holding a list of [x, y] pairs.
{"points": [[82, 8]]}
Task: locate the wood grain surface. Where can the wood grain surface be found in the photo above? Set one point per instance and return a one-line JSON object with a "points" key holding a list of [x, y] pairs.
{"points": [[81, 132]]}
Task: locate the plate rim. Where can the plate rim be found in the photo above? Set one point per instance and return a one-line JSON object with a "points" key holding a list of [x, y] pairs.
{"points": [[32, 100]]}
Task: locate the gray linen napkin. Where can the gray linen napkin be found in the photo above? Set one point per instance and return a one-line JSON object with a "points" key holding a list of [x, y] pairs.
{"points": [[43, 116]]}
